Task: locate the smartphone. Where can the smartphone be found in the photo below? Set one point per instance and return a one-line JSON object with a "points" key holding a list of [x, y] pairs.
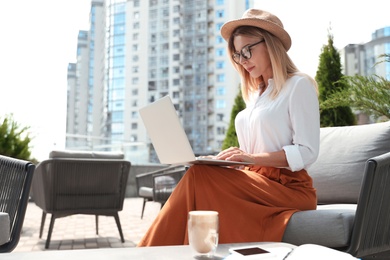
{"points": [[253, 252]]}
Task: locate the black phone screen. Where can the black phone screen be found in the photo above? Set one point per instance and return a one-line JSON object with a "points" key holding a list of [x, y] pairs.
{"points": [[251, 251]]}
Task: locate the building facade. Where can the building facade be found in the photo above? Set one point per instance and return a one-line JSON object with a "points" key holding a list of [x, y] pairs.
{"points": [[365, 60], [138, 51]]}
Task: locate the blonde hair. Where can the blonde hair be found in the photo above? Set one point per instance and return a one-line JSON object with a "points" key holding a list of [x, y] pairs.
{"points": [[282, 66]]}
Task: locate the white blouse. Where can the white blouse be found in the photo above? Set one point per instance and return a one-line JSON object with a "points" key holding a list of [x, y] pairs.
{"points": [[290, 122]]}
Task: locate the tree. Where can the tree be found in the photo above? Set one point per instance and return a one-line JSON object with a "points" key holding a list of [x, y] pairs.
{"points": [[14, 139], [328, 78], [231, 135], [370, 95]]}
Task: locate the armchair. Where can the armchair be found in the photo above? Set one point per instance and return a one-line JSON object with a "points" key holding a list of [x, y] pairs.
{"points": [[15, 182], [74, 182], [158, 185]]}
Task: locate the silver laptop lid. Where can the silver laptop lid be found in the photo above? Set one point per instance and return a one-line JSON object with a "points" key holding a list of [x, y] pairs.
{"points": [[166, 132]]}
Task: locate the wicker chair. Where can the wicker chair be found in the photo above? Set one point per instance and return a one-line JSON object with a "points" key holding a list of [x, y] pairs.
{"points": [[15, 182], [158, 185], [74, 182]]}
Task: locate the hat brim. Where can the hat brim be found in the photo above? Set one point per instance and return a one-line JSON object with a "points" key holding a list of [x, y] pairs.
{"points": [[228, 28]]}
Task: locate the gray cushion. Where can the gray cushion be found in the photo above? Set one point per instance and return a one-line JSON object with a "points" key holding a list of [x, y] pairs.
{"points": [[337, 174], [4, 228], [329, 225], [85, 154], [146, 192]]}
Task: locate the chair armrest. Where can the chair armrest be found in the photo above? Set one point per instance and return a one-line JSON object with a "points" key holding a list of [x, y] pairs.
{"points": [[144, 180], [370, 234], [165, 181]]}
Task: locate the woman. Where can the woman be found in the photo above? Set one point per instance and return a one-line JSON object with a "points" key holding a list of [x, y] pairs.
{"points": [[278, 132]]}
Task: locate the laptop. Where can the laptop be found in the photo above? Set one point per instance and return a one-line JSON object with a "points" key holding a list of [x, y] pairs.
{"points": [[169, 138]]}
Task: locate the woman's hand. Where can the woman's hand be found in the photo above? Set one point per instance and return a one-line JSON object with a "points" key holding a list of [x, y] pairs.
{"points": [[235, 154]]}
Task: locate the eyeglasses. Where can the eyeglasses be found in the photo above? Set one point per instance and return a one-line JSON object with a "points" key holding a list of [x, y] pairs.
{"points": [[245, 53]]}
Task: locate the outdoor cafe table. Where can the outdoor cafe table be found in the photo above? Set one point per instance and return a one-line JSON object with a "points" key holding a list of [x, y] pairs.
{"points": [[137, 253]]}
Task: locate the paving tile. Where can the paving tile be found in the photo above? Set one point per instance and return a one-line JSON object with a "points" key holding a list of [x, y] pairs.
{"points": [[79, 231]]}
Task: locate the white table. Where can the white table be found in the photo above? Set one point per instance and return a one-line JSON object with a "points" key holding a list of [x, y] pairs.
{"points": [[136, 253]]}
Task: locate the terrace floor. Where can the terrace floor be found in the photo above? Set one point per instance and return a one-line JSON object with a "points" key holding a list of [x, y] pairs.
{"points": [[78, 231]]}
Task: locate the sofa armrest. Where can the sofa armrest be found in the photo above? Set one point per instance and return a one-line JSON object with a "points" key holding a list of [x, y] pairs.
{"points": [[371, 232]]}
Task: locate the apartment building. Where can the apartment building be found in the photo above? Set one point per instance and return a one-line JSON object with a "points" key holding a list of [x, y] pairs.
{"points": [[137, 51], [364, 59]]}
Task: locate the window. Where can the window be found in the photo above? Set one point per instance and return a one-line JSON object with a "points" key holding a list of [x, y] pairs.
{"points": [[165, 12], [221, 77], [118, 94], [152, 73], [165, 25], [218, 39], [176, 82], [135, 47], [117, 128], [220, 2], [176, 8], [164, 60], [118, 82], [152, 85], [135, 69], [117, 116], [134, 91], [221, 91], [221, 103], [220, 130], [153, 25], [220, 64], [165, 47], [220, 117], [135, 81], [164, 35], [219, 25], [219, 14], [119, 29], [134, 126], [118, 61], [220, 52], [164, 72], [119, 39], [153, 49], [117, 72], [176, 57]]}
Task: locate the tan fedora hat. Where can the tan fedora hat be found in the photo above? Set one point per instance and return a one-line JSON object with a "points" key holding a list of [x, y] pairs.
{"points": [[261, 19]]}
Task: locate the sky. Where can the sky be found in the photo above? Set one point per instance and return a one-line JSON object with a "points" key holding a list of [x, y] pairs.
{"points": [[39, 39]]}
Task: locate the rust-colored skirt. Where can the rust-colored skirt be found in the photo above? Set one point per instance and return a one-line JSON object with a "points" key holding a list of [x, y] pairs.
{"points": [[254, 204]]}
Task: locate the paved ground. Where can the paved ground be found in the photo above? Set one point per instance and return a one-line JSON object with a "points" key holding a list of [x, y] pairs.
{"points": [[78, 231]]}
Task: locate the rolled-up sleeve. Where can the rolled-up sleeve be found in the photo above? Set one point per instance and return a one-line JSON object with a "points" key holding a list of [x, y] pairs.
{"points": [[305, 122]]}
